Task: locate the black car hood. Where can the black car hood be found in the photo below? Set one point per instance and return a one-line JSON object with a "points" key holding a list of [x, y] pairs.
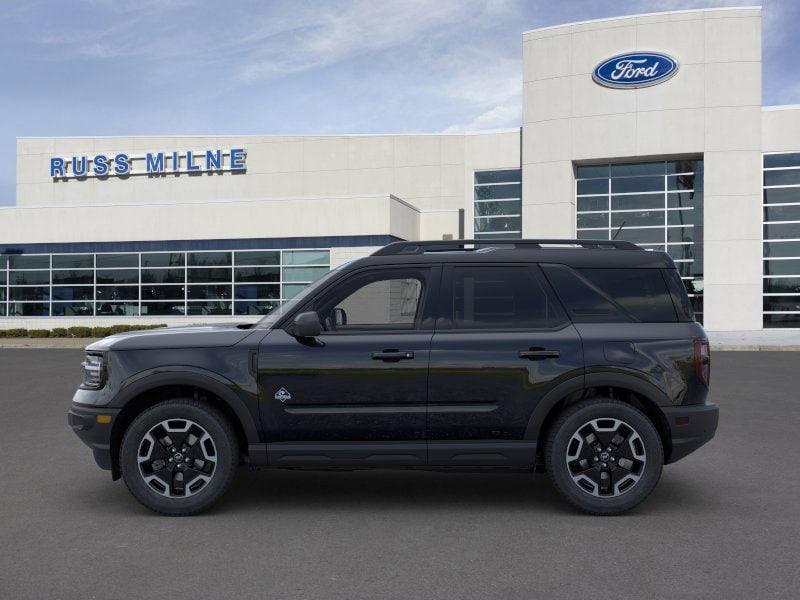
{"points": [[192, 336]]}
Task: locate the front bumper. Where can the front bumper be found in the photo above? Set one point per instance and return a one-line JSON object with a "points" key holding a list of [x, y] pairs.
{"points": [[93, 426], [690, 427]]}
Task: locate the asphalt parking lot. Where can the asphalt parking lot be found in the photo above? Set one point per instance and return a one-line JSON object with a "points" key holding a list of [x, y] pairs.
{"points": [[723, 523]]}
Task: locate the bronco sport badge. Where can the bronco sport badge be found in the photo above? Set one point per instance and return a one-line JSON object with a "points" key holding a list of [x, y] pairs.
{"points": [[283, 395]]}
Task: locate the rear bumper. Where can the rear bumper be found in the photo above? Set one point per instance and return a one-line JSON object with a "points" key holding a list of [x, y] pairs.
{"points": [[690, 427], [96, 434]]}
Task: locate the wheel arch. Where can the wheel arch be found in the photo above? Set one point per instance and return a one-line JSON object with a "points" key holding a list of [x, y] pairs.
{"points": [[150, 389]]}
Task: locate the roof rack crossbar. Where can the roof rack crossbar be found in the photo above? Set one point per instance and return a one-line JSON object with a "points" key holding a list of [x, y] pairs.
{"points": [[472, 245]]}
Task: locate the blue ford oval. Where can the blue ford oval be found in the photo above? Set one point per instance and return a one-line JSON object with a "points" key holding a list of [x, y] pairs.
{"points": [[635, 70]]}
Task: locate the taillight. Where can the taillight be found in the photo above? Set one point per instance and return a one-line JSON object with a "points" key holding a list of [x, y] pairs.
{"points": [[702, 361]]}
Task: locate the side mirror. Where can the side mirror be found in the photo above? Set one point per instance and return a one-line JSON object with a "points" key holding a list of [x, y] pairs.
{"points": [[339, 317], [306, 325]]}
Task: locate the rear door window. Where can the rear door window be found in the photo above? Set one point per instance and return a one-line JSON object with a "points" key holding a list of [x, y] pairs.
{"points": [[585, 302], [641, 292]]}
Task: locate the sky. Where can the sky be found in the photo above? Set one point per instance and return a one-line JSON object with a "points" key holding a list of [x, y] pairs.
{"points": [[169, 67]]}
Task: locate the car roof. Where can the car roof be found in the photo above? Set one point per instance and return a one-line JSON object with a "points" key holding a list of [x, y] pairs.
{"points": [[573, 253]]}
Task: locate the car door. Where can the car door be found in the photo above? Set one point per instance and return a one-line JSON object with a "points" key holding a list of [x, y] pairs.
{"points": [[358, 392], [502, 342]]}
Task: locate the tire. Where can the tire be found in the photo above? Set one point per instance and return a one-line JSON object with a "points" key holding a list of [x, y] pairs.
{"points": [[632, 467], [206, 462]]}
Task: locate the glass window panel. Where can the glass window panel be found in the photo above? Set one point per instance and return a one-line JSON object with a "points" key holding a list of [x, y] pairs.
{"points": [[162, 308], [3, 277], [209, 275], [29, 293], [683, 182], [209, 292], [162, 292], [782, 285], [791, 159], [268, 257], [209, 308], [782, 249], [492, 192], [780, 267], [637, 184], [502, 176], [496, 235], [788, 177], [681, 251], [118, 276], [593, 235], [684, 166], [303, 273], [257, 274], [642, 292], [2, 309], [306, 257], [637, 219], [499, 224], [209, 259], [782, 213], [29, 277], [114, 261], [73, 309], [163, 259], [29, 261], [778, 321], [118, 309], [587, 171], [782, 303], [593, 203], [782, 195], [292, 289], [782, 231], [2, 294], [685, 199], [254, 308], [680, 234], [28, 309], [593, 220], [682, 217], [507, 207], [75, 292], [163, 276], [643, 201], [256, 292], [73, 277], [117, 292], [584, 303], [641, 236], [592, 186], [72, 261], [648, 168]]}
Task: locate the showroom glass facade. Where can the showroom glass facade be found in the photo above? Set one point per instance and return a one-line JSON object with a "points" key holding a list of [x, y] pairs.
{"points": [[497, 204], [657, 205], [204, 283], [781, 303]]}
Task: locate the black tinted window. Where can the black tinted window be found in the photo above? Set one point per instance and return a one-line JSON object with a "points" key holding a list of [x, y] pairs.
{"points": [[585, 302], [680, 300], [501, 298], [641, 292]]}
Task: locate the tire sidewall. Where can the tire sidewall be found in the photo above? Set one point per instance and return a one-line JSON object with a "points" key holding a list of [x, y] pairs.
{"points": [[212, 422], [576, 418]]}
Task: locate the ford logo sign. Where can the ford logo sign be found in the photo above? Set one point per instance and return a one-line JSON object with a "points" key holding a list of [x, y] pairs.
{"points": [[635, 70]]}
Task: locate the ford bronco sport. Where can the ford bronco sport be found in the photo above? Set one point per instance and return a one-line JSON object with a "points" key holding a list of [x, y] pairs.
{"points": [[579, 357]]}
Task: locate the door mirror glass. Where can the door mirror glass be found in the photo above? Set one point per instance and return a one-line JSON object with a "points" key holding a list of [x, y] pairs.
{"points": [[339, 317], [306, 325]]}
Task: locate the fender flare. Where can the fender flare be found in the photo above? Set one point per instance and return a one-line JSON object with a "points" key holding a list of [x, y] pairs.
{"points": [[194, 377], [629, 381]]}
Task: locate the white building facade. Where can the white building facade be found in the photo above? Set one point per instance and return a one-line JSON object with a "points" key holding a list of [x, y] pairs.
{"points": [[191, 229]]}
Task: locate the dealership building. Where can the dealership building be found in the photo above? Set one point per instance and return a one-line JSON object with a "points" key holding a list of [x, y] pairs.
{"points": [[646, 128]]}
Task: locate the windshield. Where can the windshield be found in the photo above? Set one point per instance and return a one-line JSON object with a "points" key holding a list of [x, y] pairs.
{"points": [[269, 320]]}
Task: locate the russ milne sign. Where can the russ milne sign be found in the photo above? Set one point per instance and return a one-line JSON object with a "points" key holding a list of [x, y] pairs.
{"points": [[151, 163], [635, 70]]}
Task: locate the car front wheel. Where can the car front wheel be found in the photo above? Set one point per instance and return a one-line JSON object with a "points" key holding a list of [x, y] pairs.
{"points": [[604, 456], [179, 456]]}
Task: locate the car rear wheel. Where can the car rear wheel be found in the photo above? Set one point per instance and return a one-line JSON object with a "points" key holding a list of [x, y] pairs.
{"points": [[604, 456], [179, 456]]}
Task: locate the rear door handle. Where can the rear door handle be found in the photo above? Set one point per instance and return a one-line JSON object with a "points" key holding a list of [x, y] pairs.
{"points": [[393, 355], [538, 354]]}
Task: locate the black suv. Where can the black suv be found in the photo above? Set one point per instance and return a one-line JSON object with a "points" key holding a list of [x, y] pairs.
{"points": [[579, 357]]}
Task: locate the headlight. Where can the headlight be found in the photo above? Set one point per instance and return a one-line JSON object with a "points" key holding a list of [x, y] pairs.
{"points": [[94, 372]]}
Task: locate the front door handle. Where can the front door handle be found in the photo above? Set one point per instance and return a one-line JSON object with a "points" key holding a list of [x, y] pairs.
{"points": [[538, 354], [393, 355]]}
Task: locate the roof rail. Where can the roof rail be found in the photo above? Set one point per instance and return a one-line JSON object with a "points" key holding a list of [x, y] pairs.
{"points": [[473, 245]]}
